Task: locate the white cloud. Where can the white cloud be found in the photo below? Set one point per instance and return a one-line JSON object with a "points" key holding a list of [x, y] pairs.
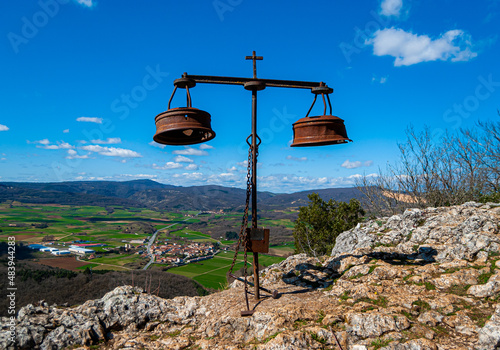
{"points": [[191, 167], [351, 165], [391, 7], [45, 144], [112, 151], [60, 145], [41, 142], [291, 183], [72, 154], [189, 151], [66, 131], [138, 176], [189, 176], [205, 146], [357, 164], [156, 144], [182, 159], [168, 166], [86, 3], [108, 141], [89, 120], [233, 168], [409, 48], [3, 127], [301, 159], [278, 183]]}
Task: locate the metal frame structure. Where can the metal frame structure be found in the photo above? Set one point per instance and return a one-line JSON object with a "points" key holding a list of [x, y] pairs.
{"points": [[254, 85]]}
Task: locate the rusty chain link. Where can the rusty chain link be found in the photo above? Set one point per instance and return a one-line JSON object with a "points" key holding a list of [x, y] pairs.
{"points": [[243, 239]]}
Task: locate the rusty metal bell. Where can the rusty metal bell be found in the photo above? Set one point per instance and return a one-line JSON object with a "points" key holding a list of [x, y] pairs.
{"points": [[319, 130], [184, 125]]}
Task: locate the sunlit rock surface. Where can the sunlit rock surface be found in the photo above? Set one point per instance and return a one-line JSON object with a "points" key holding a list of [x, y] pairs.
{"points": [[426, 279]]}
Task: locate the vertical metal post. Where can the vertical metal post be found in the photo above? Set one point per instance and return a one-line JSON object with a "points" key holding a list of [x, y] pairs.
{"points": [[254, 190]]}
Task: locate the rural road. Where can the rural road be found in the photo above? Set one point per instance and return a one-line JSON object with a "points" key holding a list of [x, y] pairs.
{"points": [[152, 240]]}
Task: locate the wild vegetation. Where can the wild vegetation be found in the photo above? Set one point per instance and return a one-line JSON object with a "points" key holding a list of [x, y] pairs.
{"points": [[438, 170], [319, 224]]}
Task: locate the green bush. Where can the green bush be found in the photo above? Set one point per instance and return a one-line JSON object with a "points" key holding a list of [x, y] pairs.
{"points": [[318, 224]]}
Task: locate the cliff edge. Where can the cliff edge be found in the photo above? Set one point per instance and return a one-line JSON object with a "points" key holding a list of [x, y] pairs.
{"points": [[426, 279]]}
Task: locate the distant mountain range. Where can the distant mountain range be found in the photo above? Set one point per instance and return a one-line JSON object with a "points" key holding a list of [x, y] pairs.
{"points": [[151, 194]]}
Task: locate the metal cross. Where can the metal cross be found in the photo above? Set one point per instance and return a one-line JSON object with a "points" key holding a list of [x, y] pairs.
{"points": [[254, 58]]}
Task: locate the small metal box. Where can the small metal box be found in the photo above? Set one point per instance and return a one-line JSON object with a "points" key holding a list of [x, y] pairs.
{"points": [[259, 239]]}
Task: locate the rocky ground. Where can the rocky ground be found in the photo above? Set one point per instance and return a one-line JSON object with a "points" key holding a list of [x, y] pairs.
{"points": [[426, 279]]}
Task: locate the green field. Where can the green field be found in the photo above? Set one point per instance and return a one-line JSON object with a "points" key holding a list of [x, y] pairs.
{"points": [[192, 235], [212, 273], [68, 223], [30, 223], [281, 222]]}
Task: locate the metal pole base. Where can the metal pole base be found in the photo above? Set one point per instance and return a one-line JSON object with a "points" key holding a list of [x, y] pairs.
{"points": [[247, 313]]}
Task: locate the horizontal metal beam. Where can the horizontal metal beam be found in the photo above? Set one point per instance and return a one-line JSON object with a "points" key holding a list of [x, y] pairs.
{"points": [[207, 79]]}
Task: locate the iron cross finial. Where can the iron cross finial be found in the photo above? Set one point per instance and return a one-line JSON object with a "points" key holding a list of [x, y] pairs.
{"points": [[254, 58]]}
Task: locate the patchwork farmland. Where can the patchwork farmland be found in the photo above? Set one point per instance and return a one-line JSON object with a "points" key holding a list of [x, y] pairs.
{"points": [[60, 226]]}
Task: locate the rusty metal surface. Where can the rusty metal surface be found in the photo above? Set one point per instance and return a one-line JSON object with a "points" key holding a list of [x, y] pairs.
{"points": [[247, 313], [254, 85], [209, 79], [259, 240], [319, 131], [184, 82], [183, 126]]}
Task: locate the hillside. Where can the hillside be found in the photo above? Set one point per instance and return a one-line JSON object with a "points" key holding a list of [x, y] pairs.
{"points": [[423, 280], [151, 194]]}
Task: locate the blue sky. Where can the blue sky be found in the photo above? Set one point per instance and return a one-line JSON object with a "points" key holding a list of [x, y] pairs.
{"points": [[82, 81]]}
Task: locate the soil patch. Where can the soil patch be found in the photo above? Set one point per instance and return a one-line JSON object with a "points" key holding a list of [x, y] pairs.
{"points": [[68, 263], [20, 237]]}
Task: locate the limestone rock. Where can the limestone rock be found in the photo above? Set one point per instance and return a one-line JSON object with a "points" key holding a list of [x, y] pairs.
{"points": [[407, 282], [492, 287], [489, 335], [374, 324], [468, 232]]}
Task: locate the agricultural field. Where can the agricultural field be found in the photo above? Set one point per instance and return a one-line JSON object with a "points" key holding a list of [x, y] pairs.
{"points": [[115, 226], [211, 273], [67, 263], [59, 226], [285, 249]]}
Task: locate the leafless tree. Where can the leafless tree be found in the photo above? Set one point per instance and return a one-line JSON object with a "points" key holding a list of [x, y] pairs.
{"points": [[450, 170]]}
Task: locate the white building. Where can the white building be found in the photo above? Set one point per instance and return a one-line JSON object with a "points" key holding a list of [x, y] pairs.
{"points": [[80, 251], [61, 252], [49, 250]]}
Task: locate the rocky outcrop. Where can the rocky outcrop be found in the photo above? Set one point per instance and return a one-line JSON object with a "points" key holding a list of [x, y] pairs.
{"points": [[468, 232], [376, 291]]}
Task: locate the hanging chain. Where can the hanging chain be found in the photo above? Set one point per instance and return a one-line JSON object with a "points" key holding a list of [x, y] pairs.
{"points": [[244, 222], [243, 239]]}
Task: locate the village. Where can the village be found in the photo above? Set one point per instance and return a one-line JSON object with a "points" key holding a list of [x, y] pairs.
{"points": [[179, 254], [169, 253]]}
